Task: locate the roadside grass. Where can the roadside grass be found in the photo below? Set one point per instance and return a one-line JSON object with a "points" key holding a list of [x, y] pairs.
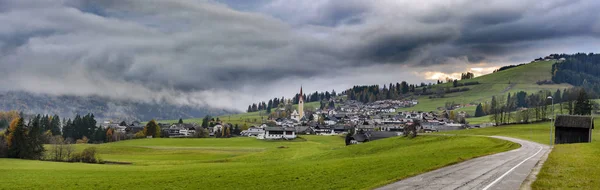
{"points": [[572, 166], [320, 162]]}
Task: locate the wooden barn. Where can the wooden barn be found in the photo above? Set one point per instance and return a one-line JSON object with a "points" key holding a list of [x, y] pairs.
{"points": [[573, 129]]}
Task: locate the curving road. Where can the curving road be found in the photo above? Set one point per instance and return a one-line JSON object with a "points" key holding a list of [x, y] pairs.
{"points": [[506, 170]]}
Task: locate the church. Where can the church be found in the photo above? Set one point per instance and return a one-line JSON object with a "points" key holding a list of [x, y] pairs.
{"points": [[297, 115]]}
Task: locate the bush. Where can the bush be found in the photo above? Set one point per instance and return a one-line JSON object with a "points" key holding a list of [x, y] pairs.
{"points": [[139, 135], [83, 140], [88, 155]]}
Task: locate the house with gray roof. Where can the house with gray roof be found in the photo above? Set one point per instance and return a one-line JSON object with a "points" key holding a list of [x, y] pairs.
{"points": [[280, 133]]}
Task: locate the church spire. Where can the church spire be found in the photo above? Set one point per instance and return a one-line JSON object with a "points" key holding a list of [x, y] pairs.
{"points": [[301, 94]]}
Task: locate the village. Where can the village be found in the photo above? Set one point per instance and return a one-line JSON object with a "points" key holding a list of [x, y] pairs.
{"points": [[364, 121]]}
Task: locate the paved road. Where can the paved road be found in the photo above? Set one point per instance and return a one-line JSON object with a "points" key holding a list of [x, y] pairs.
{"points": [[505, 170]]}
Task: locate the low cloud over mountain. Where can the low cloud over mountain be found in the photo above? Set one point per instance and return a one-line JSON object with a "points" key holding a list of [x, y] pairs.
{"points": [[226, 54]]}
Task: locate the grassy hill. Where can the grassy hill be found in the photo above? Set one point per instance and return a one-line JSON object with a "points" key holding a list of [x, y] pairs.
{"points": [[317, 162], [522, 78]]}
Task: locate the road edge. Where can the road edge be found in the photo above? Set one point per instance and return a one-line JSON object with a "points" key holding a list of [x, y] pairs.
{"points": [[532, 177]]}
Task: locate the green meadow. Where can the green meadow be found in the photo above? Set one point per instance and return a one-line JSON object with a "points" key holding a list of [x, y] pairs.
{"points": [[312, 162], [537, 132]]}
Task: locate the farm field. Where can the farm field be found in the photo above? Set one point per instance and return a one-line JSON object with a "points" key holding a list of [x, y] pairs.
{"points": [[316, 162], [569, 166]]}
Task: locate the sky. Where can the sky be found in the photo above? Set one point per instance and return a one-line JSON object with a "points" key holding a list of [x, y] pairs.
{"points": [[230, 53]]}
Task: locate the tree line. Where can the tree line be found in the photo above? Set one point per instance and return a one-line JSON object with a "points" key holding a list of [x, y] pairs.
{"points": [[523, 107], [276, 102], [582, 70], [372, 93]]}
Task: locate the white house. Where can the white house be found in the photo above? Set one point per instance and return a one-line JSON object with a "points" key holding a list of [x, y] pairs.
{"points": [[295, 116], [253, 132], [329, 122], [332, 112], [280, 133], [187, 132], [217, 127]]}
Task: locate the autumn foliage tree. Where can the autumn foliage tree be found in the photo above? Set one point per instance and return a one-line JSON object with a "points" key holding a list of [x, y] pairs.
{"points": [[24, 141], [152, 129]]}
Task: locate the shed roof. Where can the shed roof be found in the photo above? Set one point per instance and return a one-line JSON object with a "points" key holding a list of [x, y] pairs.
{"points": [[360, 137], [574, 121]]}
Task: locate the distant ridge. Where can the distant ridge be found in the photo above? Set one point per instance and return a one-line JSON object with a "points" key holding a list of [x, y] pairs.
{"points": [[102, 108]]}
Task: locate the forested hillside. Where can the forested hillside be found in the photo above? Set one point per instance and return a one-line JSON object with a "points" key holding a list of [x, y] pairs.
{"points": [[102, 108], [578, 70]]}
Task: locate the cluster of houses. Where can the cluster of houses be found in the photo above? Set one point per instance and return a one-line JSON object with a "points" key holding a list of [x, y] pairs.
{"points": [[368, 121], [377, 107], [374, 120], [174, 130]]}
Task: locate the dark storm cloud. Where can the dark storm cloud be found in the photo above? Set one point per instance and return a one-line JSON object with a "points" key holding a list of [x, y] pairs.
{"points": [[228, 53]]}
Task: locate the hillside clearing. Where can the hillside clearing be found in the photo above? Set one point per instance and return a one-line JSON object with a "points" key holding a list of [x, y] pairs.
{"points": [[321, 162]]}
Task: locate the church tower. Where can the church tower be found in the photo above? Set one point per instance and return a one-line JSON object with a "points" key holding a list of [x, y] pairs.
{"points": [[301, 104]]}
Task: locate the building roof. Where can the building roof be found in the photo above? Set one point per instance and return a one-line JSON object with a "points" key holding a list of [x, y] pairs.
{"points": [[303, 129], [374, 135], [360, 137], [279, 129], [574, 121]]}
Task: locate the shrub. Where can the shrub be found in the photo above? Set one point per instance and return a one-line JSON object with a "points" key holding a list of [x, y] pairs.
{"points": [[88, 155], [83, 140], [139, 135]]}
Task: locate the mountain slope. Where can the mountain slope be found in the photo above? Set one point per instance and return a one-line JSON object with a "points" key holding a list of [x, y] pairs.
{"points": [[102, 108]]}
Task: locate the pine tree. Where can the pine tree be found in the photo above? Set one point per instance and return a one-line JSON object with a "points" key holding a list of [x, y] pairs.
{"points": [[479, 111], [205, 121], [17, 139], [180, 121], [55, 125], [583, 106]]}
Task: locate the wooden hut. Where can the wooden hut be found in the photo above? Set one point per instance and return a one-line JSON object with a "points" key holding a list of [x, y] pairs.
{"points": [[573, 129]]}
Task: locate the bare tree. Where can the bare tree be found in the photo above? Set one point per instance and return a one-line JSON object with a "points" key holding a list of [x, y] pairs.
{"points": [[411, 129]]}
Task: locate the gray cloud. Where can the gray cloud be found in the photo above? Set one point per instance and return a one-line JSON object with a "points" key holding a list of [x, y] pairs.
{"points": [[227, 54]]}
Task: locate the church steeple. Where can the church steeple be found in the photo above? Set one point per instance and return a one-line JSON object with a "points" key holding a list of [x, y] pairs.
{"points": [[301, 98], [301, 103]]}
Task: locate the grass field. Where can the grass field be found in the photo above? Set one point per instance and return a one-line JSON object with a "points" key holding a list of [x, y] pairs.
{"points": [[522, 78], [538, 132], [318, 162]]}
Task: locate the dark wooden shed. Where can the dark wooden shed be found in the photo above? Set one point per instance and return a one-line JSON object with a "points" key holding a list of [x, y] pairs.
{"points": [[573, 129]]}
